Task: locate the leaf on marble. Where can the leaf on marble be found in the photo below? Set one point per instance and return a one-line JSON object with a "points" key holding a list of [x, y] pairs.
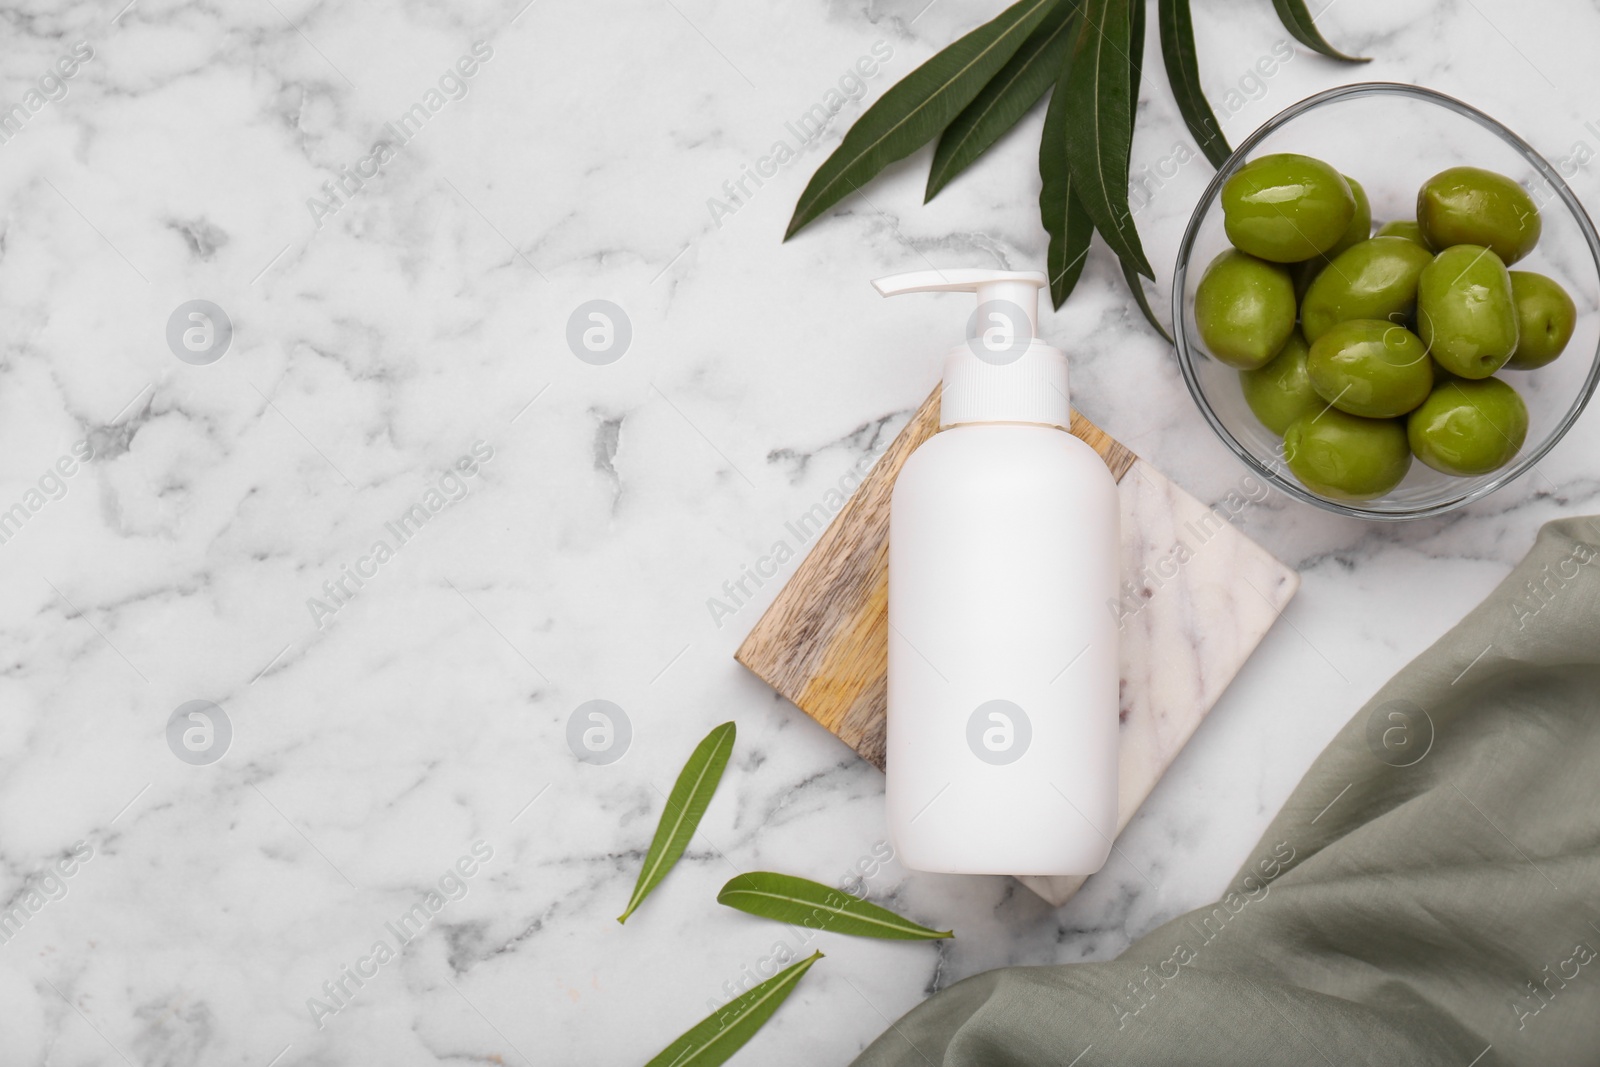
{"points": [[1135, 49], [1065, 220], [1025, 78], [1099, 102], [1183, 74], [1297, 20], [815, 906], [1136, 287], [1136, 15], [686, 804], [722, 1033], [916, 108]]}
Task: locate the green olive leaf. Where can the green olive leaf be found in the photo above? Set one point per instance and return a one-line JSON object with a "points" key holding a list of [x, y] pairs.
{"points": [[1183, 74], [722, 1033], [801, 901], [917, 107], [1135, 49], [1136, 287], [1298, 21], [1100, 105], [1136, 16], [1025, 78], [687, 802], [1064, 217]]}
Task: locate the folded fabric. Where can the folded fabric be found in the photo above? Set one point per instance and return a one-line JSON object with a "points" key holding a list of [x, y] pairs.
{"points": [[1429, 894]]}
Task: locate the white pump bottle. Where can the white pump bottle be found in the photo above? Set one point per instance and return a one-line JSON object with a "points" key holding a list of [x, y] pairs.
{"points": [[1003, 551]]}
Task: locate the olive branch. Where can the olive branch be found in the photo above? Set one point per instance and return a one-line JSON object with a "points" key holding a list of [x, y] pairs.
{"points": [[1087, 55]]}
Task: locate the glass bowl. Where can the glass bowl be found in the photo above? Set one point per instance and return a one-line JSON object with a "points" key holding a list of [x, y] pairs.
{"points": [[1392, 138]]}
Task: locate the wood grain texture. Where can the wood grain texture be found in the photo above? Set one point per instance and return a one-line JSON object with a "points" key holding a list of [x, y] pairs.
{"points": [[824, 642]]}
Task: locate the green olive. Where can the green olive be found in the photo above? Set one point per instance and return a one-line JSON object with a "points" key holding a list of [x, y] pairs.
{"points": [[1360, 227], [1346, 457], [1286, 207], [1546, 317], [1473, 206], [1404, 228], [1244, 308], [1465, 311], [1306, 271], [1375, 279], [1371, 368], [1468, 427], [1281, 391]]}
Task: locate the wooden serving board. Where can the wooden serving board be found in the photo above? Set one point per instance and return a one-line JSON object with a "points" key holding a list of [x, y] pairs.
{"points": [[1199, 598]]}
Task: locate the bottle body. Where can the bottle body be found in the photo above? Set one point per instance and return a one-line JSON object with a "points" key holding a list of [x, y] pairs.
{"points": [[1003, 668]]}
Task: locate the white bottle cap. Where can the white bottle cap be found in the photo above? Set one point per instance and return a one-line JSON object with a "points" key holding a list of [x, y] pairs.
{"points": [[1002, 372]]}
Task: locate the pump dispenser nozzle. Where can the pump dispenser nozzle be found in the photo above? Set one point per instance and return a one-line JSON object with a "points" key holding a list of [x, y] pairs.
{"points": [[1002, 372]]}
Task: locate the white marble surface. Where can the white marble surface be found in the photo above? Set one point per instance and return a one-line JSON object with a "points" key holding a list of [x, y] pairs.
{"points": [[371, 753]]}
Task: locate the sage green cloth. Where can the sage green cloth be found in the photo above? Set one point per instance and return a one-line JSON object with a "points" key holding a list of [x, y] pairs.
{"points": [[1429, 894]]}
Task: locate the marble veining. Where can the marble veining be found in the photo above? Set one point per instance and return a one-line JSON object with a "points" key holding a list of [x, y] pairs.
{"points": [[170, 522]]}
